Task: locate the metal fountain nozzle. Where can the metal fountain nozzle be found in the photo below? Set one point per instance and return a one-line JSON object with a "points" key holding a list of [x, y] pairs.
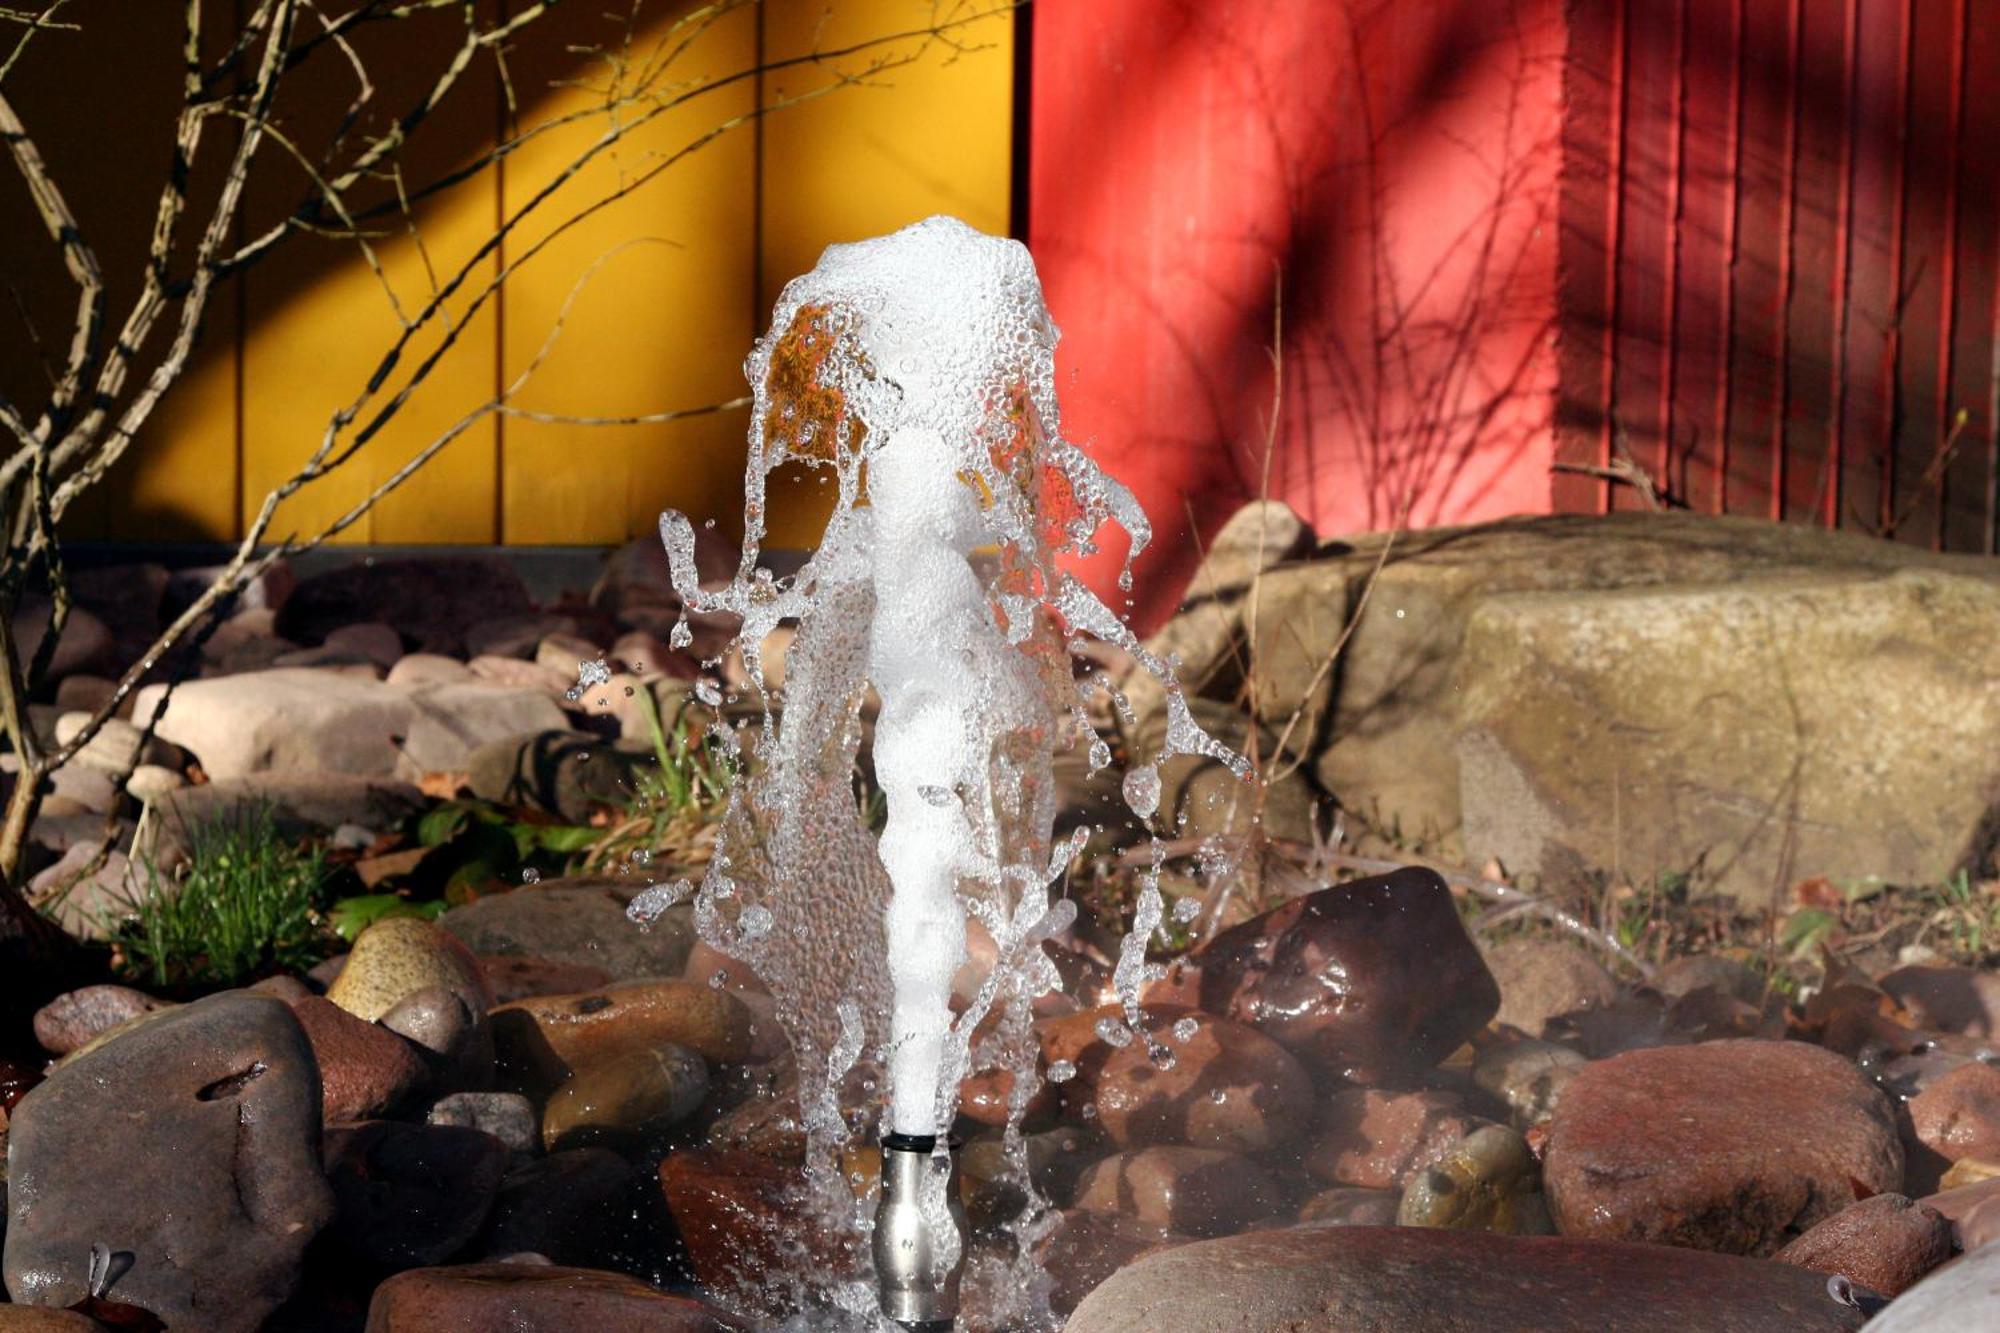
{"points": [[916, 1267]]}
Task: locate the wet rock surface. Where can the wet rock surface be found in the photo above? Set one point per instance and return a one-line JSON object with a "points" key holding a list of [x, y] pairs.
{"points": [[1737, 1146], [364, 1070], [1192, 1191], [210, 1114], [1487, 1181], [1366, 981], [542, 1041], [1413, 1280], [1886, 1244], [527, 1298], [581, 922], [1226, 1086], [625, 1096], [411, 1195], [1374, 1138]]}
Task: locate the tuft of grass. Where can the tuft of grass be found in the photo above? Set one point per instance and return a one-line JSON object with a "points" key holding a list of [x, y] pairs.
{"points": [[673, 806], [247, 904]]}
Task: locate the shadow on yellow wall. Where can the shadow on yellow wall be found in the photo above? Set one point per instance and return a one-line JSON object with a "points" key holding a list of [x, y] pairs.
{"points": [[666, 287]]}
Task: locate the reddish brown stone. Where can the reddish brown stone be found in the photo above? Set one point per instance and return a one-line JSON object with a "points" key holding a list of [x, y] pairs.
{"points": [[1963, 1001], [1374, 1139], [1885, 1243], [72, 1019], [1228, 1086], [1736, 1146], [1973, 1211], [1424, 1280], [983, 1098], [1367, 981], [541, 1041], [740, 1215], [529, 1298], [365, 1070], [1957, 1115], [1084, 1248], [1193, 1191], [519, 976]]}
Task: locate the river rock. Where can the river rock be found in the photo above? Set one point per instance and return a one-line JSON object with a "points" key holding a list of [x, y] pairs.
{"points": [[431, 600], [300, 805], [520, 976], [1366, 981], [397, 957], [72, 1019], [578, 921], [1374, 1138], [743, 1216], [528, 1298], [210, 1116], [1487, 1181], [1957, 1114], [428, 669], [1345, 1206], [569, 774], [1528, 1076], [411, 1195], [1226, 1086], [1963, 1001], [364, 1070], [507, 1116], [1736, 1146], [301, 719], [1194, 1191], [582, 1205], [1083, 1248], [1541, 979], [38, 1319], [1419, 1280], [1886, 1243], [457, 1038], [627, 1096], [542, 1041], [1962, 1297], [1973, 1211]]}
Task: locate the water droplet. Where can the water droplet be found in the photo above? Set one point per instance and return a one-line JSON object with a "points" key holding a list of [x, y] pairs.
{"points": [[1161, 1055], [531, 875], [1187, 909], [938, 796], [707, 691], [1089, 1111], [719, 980], [1218, 1096], [1113, 1032], [680, 636], [755, 921], [1062, 1071], [1142, 791], [1186, 1028], [651, 904]]}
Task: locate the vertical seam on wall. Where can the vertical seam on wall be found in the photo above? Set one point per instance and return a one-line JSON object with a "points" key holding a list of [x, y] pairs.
{"points": [[1843, 262], [757, 180], [501, 128], [1892, 347], [1614, 249], [1788, 226], [1948, 274], [1020, 124], [1670, 345], [1732, 219]]}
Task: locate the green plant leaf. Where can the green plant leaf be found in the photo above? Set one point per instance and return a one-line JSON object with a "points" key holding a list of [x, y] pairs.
{"points": [[1806, 927], [565, 839], [441, 825], [350, 916]]}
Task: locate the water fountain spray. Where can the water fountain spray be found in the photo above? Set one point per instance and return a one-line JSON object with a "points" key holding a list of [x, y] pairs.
{"points": [[916, 372]]}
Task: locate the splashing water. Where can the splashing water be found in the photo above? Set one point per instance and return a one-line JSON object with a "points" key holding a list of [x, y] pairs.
{"points": [[918, 368]]}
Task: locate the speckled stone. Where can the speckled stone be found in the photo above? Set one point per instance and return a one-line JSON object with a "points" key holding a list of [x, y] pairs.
{"points": [[400, 956], [1488, 1181], [1419, 1280], [1885, 1243]]}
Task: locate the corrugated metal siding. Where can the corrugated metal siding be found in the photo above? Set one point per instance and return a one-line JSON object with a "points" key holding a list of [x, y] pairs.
{"points": [[1779, 255]]}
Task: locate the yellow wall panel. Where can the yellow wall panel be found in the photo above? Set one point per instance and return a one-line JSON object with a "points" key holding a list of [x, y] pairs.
{"points": [[904, 129], [661, 321], [320, 319]]}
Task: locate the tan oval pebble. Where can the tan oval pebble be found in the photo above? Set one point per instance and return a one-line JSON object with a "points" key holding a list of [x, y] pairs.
{"points": [[400, 956]]}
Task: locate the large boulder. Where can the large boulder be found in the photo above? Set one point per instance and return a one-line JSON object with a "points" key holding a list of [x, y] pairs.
{"points": [[308, 720], [188, 1151], [1371, 980], [1422, 1280], [1738, 1146], [1749, 690], [578, 921]]}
